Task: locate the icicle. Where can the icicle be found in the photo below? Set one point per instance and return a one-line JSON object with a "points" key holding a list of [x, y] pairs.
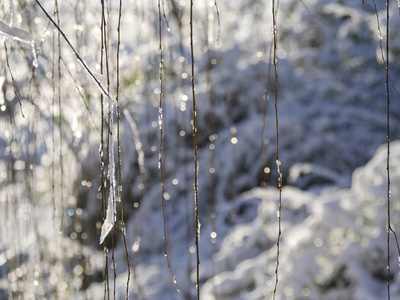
{"points": [[110, 218], [111, 206]]}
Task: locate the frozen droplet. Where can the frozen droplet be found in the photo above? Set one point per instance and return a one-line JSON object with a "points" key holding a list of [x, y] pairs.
{"points": [[198, 229], [176, 284], [136, 246]]}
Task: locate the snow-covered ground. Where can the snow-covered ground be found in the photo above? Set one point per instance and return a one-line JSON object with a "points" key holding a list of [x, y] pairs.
{"points": [[332, 119]]}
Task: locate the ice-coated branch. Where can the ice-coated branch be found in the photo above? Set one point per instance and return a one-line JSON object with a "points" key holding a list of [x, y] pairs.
{"points": [[16, 34], [77, 55]]}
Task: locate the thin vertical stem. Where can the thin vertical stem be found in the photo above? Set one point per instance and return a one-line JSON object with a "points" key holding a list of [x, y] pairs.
{"points": [[119, 153], [194, 129], [388, 148], [160, 155], [278, 162], [102, 164]]}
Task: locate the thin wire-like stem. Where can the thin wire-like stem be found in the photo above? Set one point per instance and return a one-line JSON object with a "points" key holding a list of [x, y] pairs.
{"points": [[194, 129], [102, 164], [160, 155], [119, 153], [182, 154], [388, 149], [278, 162]]}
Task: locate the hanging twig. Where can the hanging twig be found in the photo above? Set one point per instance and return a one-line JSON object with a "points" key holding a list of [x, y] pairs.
{"points": [[102, 164], [194, 129], [160, 156], [388, 148], [278, 162], [119, 154]]}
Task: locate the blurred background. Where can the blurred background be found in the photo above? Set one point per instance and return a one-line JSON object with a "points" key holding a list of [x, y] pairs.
{"points": [[59, 142]]}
